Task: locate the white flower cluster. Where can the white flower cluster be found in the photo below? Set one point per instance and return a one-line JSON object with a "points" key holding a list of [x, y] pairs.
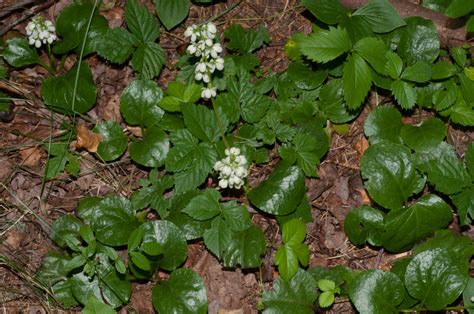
{"points": [[203, 46], [40, 31], [232, 169]]}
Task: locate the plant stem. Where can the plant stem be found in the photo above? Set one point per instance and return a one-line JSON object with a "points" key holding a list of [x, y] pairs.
{"points": [[227, 10]]}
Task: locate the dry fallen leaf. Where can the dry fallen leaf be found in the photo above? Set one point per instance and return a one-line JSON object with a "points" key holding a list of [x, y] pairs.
{"points": [[361, 146], [87, 139], [31, 156]]}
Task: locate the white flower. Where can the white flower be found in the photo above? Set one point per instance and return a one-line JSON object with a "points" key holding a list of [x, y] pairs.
{"points": [[234, 151], [192, 49], [232, 169], [208, 93], [40, 31], [201, 67], [223, 183]]}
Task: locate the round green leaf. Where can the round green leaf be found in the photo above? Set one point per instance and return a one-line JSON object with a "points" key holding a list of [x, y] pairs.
{"points": [[326, 299], [59, 93], [183, 292], [112, 220], [172, 240], [115, 287], [430, 133], [139, 103], [419, 41], [64, 226], [246, 248], [390, 174], [113, 143], [19, 53], [383, 124], [364, 224], [83, 288], [375, 292], [281, 193], [152, 150], [436, 277]]}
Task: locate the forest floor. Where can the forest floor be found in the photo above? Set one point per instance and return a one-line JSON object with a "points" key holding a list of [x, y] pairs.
{"points": [[26, 199]]}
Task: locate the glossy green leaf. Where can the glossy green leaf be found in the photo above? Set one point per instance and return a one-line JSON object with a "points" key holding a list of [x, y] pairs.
{"points": [[462, 113], [204, 206], [404, 93], [64, 226], [19, 53], [253, 105], [357, 79], [202, 122], [461, 247], [304, 77], [246, 41], [364, 224], [141, 22], [113, 143], [115, 287], [447, 96], [444, 168], [95, 306], [112, 219], [171, 239], [183, 292], [83, 289], [152, 150], [383, 125], [458, 8], [328, 11], [171, 12], [236, 217], [303, 149], [419, 72], [217, 239], [419, 41], [467, 296], [332, 104], [373, 50], [148, 59], [381, 16], [59, 94], [393, 65], [405, 226], [245, 249], [326, 45], [294, 296], [398, 268], [390, 174], [443, 70], [425, 136], [139, 103], [113, 38], [281, 192], [140, 260], [464, 203], [375, 291]]}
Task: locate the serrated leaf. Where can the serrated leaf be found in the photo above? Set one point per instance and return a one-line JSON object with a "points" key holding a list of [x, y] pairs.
{"points": [[304, 151], [464, 202], [326, 45], [462, 113], [357, 79], [390, 174], [148, 59], [373, 50], [326, 299], [218, 237], [381, 15], [444, 169], [113, 143], [113, 38], [302, 212], [204, 206], [141, 22], [253, 105], [429, 134], [332, 104], [281, 192], [419, 41], [236, 217], [383, 125], [419, 72], [394, 65], [446, 97], [304, 77], [294, 296], [246, 41], [443, 70], [405, 226], [245, 249], [171, 12], [19, 53], [364, 224], [327, 11], [404, 93], [375, 291], [152, 150], [95, 306], [59, 94], [202, 122], [293, 232], [287, 261], [326, 285]]}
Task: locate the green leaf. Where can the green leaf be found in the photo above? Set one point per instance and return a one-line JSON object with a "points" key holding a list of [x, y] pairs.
{"points": [[246, 41], [55, 166], [72, 27], [281, 192], [294, 296], [364, 224], [202, 122], [140, 260], [19, 53], [373, 50], [442, 70], [425, 136], [462, 113], [464, 203], [436, 277], [444, 169], [375, 291], [326, 285], [381, 15], [171, 12], [383, 125], [143, 25], [459, 8], [113, 38], [390, 174], [326, 299], [327, 11], [253, 105], [419, 41], [459, 55], [205, 206], [218, 237], [59, 93], [357, 80], [148, 59], [445, 98], [293, 232], [112, 219], [113, 143], [95, 306], [83, 288], [152, 150], [331, 102], [460, 246], [394, 65], [171, 239], [65, 226], [236, 217], [304, 150], [405, 226], [302, 212], [398, 268], [115, 287], [404, 93], [467, 296], [326, 45], [287, 261], [139, 103], [419, 72], [152, 248], [304, 77], [245, 249], [183, 292], [135, 239], [189, 93]]}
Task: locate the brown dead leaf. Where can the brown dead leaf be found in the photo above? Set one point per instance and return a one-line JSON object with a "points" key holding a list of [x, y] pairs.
{"points": [[31, 156], [364, 197], [135, 130], [87, 139], [361, 146]]}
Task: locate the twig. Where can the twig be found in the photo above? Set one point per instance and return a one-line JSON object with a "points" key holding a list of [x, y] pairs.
{"points": [[29, 13], [5, 11]]}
